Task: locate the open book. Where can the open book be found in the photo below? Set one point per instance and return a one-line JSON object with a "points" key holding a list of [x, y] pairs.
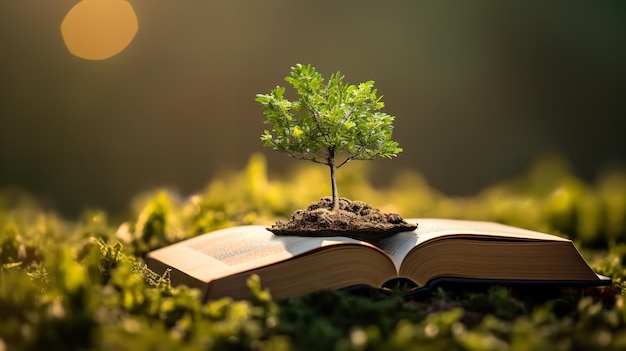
{"points": [[439, 250]]}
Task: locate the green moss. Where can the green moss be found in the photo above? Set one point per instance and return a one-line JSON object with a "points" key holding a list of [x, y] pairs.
{"points": [[83, 284]]}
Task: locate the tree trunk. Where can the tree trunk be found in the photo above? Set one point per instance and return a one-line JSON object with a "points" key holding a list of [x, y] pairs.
{"points": [[333, 183], [330, 161]]}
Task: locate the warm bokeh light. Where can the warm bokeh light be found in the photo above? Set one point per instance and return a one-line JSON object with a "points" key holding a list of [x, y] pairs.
{"points": [[99, 29]]}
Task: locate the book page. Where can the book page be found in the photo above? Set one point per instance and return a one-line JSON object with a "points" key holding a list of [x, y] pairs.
{"points": [[399, 245], [431, 228], [238, 249]]}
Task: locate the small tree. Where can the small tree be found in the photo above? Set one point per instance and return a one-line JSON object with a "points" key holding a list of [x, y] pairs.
{"points": [[332, 123]]}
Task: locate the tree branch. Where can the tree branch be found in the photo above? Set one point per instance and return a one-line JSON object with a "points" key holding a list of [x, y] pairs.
{"points": [[344, 162], [304, 157]]}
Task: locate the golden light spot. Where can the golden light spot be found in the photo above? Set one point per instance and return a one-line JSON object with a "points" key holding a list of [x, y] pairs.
{"points": [[99, 29]]}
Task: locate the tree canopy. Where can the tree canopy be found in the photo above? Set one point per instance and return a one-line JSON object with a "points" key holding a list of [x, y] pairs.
{"points": [[331, 123]]}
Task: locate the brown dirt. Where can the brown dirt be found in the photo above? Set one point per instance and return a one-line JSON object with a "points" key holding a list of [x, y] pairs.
{"points": [[354, 219]]}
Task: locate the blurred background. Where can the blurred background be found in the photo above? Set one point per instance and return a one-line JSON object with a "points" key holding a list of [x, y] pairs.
{"points": [[479, 89]]}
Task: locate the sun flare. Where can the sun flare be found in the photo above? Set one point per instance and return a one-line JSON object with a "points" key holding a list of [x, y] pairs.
{"points": [[99, 29]]}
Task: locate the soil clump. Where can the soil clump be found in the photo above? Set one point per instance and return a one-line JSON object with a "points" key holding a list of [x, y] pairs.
{"points": [[354, 219]]}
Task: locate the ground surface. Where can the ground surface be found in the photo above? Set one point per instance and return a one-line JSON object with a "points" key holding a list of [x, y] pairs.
{"points": [[353, 219]]}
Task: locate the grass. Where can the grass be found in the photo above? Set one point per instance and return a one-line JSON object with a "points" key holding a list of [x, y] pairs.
{"points": [[82, 284]]}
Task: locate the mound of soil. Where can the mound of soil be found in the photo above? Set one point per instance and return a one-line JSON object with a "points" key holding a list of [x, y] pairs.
{"points": [[354, 219]]}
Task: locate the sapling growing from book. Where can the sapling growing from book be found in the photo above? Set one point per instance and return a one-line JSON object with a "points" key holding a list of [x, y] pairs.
{"points": [[332, 123]]}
